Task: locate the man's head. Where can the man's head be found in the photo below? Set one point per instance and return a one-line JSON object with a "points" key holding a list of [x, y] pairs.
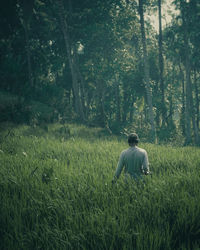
{"points": [[133, 139]]}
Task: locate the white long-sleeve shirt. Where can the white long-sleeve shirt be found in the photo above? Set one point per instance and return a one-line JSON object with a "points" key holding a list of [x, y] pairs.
{"points": [[135, 161]]}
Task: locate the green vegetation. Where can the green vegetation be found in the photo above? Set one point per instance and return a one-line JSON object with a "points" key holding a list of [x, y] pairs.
{"points": [[105, 63], [56, 192], [75, 78]]}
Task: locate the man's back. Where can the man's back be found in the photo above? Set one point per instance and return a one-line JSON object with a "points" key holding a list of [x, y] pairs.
{"points": [[135, 161]]}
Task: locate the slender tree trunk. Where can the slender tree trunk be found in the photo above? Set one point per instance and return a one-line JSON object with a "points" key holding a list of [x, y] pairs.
{"points": [[27, 11], [171, 102], [103, 113], [117, 97], [182, 118], [194, 124], [28, 55], [76, 65], [161, 66], [100, 99], [190, 115], [76, 87], [197, 98], [171, 108], [146, 74], [131, 110], [125, 105], [82, 84], [187, 107]]}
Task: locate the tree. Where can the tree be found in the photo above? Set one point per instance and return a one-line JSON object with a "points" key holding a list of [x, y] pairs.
{"points": [[71, 60], [190, 115], [146, 73], [27, 11], [161, 65]]}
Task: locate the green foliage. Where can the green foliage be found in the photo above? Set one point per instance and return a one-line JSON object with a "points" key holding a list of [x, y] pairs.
{"points": [[7, 99], [14, 108], [106, 49], [9, 107], [58, 195], [40, 113]]}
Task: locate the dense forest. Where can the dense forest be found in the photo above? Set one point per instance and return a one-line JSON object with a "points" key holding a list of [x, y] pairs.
{"points": [[102, 63]]}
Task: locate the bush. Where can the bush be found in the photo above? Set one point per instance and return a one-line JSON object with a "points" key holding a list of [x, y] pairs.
{"points": [[9, 107], [16, 109], [40, 113]]}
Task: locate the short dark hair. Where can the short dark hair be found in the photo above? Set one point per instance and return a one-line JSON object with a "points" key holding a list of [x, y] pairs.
{"points": [[133, 138]]}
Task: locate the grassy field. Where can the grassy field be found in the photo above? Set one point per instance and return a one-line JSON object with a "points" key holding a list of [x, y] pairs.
{"points": [[56, 193]]}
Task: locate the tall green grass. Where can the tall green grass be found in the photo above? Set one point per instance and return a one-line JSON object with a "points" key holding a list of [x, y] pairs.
{"points": [[56, 193]]}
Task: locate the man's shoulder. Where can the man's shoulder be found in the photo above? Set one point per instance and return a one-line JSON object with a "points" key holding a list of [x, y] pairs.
{"points": [[129, 150], [141, 150], [125, 151]]}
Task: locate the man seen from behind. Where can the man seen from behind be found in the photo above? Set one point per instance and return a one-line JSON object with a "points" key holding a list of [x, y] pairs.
{"points": [[134, 160]]}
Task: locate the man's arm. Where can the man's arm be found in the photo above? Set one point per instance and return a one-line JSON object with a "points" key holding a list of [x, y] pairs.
{"points": [[145, 165], [120, 166]]}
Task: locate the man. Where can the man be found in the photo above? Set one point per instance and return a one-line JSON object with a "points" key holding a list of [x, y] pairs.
{"points": [[134, 159]]}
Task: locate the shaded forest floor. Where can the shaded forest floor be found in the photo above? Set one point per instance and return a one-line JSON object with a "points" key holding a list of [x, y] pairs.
{"points": [[56, 192]]}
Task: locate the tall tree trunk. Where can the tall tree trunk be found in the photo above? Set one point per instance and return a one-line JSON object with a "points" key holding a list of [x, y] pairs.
{"points": [[171, 108], [197, 98], [100, 99], [146, 74], [170, 120], [102, 108], [125, 105], [76, 65], [28, 55], [182, 118], [27, 11], [161, 66], [82, 85], [131, 110], [76, 87], [187, 108], [117, 97], [190, 115], [192, 112]]}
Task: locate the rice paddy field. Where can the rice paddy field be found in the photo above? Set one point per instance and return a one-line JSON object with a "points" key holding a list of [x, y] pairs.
{"points": [[56, 192]]}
